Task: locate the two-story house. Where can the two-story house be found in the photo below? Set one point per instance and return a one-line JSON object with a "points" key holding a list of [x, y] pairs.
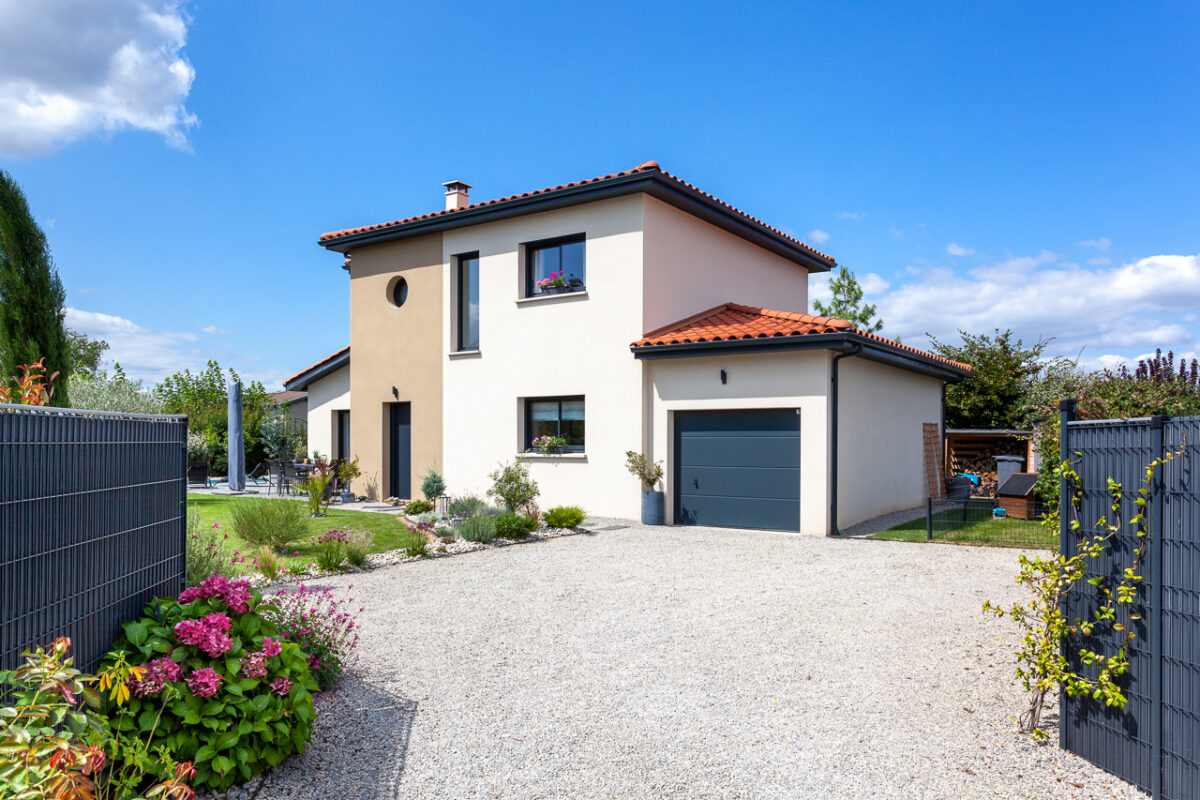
{"points": [[625, 312]]}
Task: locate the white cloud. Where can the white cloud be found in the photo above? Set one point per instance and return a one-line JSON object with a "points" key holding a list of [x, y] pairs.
{"points": [[213, 330], [895, 232], [71, 69], [818, 286], [1099, 261], [1106, 310], [851, 215], [1102, 244], [955, 249], [817, 236]]}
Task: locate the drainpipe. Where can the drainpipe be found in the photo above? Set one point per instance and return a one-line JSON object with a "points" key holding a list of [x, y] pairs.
{"points": [[833, 439]]}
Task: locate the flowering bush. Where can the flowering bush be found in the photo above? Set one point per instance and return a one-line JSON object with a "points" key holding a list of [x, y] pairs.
{"points": [[212, 682], [549, 444], [207, 551], [323, 626], [559, 280]]}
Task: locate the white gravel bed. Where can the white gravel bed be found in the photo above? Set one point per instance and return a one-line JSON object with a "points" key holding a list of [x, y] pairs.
{"points": [[686, 663]]}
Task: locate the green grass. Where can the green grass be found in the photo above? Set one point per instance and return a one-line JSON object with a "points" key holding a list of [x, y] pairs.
{"points": [[948, 527], [390, 532]]}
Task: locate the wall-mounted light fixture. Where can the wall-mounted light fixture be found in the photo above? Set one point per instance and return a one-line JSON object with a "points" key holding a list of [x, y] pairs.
{"points": [[723, 376], [395, 393]]}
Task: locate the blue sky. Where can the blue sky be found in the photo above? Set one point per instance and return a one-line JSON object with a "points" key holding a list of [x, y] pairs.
{"points": [[1024, 165]]}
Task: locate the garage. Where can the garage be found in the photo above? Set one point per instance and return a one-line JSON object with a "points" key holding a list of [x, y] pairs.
{"points": [[738, 468]]}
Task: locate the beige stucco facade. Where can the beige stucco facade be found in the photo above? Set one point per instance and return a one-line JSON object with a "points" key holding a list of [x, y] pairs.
{"points": [[396, 355]]}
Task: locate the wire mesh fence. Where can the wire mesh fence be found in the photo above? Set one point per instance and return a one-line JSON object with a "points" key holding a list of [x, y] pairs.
{"points": [[978, 521], [93, 517]]}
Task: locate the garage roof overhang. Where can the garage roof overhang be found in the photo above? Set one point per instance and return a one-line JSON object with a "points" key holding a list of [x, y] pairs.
{"points": [[869, 348]]}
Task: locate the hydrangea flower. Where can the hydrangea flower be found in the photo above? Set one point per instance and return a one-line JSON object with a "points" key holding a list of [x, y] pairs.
{"points": [[159, 672], [281, 685], [207, 633], [254, 665], [234, 594], [204, 682], [270, 647]]}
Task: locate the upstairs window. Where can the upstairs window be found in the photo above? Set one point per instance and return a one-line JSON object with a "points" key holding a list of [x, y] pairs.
{"points": [[556, 417], [467, 305], [555, 266]]}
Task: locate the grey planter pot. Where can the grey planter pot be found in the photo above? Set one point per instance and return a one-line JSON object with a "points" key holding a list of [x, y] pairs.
{"points": [[653, 508], [347, 497]]}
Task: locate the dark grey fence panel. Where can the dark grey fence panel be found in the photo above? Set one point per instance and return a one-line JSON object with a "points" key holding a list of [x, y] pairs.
{"points": [[92, 524], [1180, 619], [1151, 742]]}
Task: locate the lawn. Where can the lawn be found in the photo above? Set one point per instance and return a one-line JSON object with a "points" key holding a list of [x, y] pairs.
{"points": [[389, 530], [980, 529]]}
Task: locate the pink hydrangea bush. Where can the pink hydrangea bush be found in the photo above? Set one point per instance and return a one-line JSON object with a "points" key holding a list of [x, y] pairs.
{"points": [[322, 622], [237, 684]]}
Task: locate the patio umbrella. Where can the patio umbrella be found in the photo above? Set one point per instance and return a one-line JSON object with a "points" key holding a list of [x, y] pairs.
{"points": [[237, 445]]}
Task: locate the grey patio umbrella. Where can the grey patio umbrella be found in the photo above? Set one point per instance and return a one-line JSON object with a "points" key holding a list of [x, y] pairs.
{"points": [[237, 444]]}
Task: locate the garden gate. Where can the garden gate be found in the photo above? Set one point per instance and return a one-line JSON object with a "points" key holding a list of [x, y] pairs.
{"points": [[1154, 741], [92, 524]]}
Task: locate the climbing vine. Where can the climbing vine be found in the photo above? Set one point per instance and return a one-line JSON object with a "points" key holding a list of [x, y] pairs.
{"points": [[1042, 663]]}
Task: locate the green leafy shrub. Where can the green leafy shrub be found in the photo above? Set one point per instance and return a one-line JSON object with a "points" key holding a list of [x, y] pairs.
{"points": [[244, 696], [512, 486], [268, 563], [331, 550], [319, 487], [208, 551], [564, 517], [274, 523], [427, 518], [413, 540], [649, 473], [322, 624], [478, 529], [514, 526], [467, 506], [415, 507], [433, 485], [358, 544]]}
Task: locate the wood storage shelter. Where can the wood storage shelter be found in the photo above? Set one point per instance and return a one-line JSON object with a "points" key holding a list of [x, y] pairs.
{"points": [[973, 450]]}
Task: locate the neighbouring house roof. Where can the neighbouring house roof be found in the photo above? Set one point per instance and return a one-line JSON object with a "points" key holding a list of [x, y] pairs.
{"points": [[319, 370], [279, 398], [647, 177], [733, 326]]}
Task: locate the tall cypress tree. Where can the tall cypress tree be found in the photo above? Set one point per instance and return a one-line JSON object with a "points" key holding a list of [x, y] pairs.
{"points": [[31, 295]]}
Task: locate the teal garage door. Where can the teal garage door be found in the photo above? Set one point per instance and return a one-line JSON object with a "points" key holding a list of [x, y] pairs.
{"points": [[738, 469]]}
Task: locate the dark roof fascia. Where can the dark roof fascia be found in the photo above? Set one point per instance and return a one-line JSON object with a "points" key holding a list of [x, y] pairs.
{"points": [[986, 432], [652, 182], [842, 342], [300, 382]]}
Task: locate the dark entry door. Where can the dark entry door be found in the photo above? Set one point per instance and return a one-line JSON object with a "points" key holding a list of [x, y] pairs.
{"points": [[343, 435], [400, 460], [738, 469]]}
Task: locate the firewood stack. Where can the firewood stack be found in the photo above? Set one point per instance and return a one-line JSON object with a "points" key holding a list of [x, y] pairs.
{"points": [[979, 459]]}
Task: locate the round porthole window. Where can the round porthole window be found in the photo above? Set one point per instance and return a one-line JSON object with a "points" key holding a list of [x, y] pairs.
{"points": [[398, 291]]}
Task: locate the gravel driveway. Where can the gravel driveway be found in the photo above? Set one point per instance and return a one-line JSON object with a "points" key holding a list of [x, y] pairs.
{"points": [[685, 663]]}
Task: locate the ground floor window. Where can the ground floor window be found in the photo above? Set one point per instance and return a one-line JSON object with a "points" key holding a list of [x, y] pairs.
{"points": [[560, 417]]}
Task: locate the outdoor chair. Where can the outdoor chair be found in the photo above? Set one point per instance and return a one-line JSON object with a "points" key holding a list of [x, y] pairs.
{"points": [[259, 473], [292, 479], [274, 475], [197, 474]]}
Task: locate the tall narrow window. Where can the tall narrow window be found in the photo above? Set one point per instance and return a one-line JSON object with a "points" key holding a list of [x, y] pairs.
{"points": [[555, 266], [468, 302]]}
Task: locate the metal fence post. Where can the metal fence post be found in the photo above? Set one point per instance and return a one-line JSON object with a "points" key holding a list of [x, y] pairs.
{"points": [[929, 519], [1066, 413], [1154, 530]]}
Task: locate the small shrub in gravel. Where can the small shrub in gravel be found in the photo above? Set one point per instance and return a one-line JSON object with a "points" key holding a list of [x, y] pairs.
{"points": [[413, 541], [478, 529], [239, 697], [514, 526], [331, 550], [208, 551], [322, 624], [564, 517], [428, 518], [267, 563], [359, 542], [467, 506], [448, 539], [275, 523], [415, 507], [433, 485], [512, 486]]}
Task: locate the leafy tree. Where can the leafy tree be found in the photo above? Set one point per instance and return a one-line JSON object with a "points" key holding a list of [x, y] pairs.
{"points": [[997, 393], [31, 295], [202, 396], [847, 303], [102, 392], [86, 354]]}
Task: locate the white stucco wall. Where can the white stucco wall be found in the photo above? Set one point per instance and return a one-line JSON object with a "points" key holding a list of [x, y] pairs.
{"points": [[692, 266], [880, 444], [326, 396], [769, 380], [563, 345]]}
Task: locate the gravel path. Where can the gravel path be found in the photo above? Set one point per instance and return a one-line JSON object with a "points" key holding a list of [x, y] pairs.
{"points": [[685, 663]]}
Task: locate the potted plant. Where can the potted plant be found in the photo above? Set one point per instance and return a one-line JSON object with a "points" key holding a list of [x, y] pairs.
{"points": [[651, 475], [555, 284], [550, 444], [347, 472]]}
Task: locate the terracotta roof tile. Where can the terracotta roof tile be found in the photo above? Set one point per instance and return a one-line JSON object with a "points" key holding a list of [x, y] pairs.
{"points": [[731, 322], [647, 166]]}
